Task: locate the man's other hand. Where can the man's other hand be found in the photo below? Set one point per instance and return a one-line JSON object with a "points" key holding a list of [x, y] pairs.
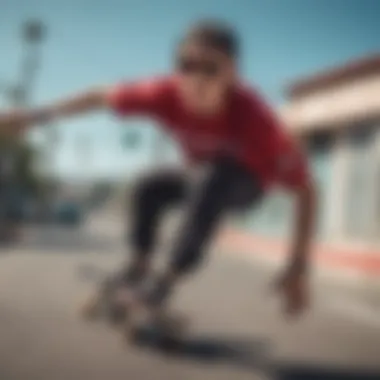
{"points": [[293, 286]]}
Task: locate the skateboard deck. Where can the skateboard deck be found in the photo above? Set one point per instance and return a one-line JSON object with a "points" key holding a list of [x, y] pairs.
{"points": [[102, 305], [164, 329]]}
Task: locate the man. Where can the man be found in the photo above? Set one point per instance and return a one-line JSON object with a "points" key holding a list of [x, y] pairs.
{"points": [[217, 121]]}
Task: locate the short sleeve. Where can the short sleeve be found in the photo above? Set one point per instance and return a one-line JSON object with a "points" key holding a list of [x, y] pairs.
{"points": [[282, 158], [140, 98], [292, 170]]}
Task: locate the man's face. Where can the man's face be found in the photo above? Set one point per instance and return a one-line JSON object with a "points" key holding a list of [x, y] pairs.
{"points": [[204, 75]]}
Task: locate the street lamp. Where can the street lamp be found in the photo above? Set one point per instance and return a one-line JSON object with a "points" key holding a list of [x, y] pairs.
{"points": [[18, 94], [33, 32]]}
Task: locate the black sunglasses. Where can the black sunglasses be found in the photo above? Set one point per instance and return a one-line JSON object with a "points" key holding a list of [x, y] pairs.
{"points": [[196, 66]]}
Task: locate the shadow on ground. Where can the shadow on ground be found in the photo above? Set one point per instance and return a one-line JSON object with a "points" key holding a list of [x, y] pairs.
{"points": [[246, 354], [313, 372], [253, 356], [250, 355]]}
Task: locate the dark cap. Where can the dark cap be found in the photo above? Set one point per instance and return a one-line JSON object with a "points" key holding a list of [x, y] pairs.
{"points": [[215, 34]]}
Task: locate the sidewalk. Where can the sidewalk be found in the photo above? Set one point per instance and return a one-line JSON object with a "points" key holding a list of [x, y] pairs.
{"points": [[348, 277], [339, 259], [351, 261]]}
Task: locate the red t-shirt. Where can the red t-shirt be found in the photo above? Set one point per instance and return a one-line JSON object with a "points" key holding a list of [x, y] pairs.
{"points": [[246, 128]]}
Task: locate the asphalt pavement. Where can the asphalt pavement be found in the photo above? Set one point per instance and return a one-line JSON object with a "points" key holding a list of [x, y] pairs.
{"points": [[237, 330]]}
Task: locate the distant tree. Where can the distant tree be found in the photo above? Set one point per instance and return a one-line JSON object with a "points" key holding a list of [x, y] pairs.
{"points": [[17, 164]]}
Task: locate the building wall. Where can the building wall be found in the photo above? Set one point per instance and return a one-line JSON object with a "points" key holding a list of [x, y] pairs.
{"points": [[362, 184], [334, 106], [344, 152]]}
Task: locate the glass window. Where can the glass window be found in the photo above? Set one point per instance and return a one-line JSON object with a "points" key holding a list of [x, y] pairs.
{"points": [[361, 181], [320, 147]]}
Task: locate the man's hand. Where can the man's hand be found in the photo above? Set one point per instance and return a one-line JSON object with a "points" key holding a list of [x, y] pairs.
{"points": [[14, 122], [17, 121], [293, 286]]}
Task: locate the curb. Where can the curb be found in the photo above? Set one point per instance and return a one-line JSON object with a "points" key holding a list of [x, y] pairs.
{"points": [[362, 262]]}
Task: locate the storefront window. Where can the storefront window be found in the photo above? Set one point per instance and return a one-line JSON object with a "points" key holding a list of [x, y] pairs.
{"points": [[272, 218], [361, 184], [320, 149]]}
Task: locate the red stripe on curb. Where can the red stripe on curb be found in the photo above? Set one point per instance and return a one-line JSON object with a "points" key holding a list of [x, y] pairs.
{"points": [[364, 261]]}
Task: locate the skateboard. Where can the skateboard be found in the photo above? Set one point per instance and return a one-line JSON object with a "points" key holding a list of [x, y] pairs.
{"points": [[103, 306], [163, 329], [139, 324]]}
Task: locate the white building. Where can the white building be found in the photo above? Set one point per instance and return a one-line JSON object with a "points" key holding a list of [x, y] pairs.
{"points": [[337, 114]]}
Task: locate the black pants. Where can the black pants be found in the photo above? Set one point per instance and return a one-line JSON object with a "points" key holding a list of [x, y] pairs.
{"points": [[227, 187]]}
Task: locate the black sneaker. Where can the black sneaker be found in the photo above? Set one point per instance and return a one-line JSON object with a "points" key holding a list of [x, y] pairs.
{"points": [[132, 277], [120, 292], [155, 293], [125, 281]]}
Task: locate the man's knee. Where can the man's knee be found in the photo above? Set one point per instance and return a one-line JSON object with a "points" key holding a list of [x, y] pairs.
{"points": [[153, 195], [188, 261], [189, 250], [158, 191]]}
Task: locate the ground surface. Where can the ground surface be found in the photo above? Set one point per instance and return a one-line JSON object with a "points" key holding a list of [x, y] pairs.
{"points": [[237, 330]]}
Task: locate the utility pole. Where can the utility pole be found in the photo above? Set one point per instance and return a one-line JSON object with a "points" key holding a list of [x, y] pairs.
{"points": [[32, 35], [19, 94]]}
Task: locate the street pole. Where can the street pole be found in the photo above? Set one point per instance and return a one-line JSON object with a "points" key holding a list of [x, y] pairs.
{"points": [[18, 95], [33, 33]]}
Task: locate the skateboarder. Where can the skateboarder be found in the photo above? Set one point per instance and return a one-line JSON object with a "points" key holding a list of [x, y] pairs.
{"points": [[221, 124]]}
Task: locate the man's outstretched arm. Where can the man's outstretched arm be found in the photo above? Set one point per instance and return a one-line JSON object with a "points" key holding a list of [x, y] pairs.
{"points": [[89, 101], [85, 102], [144, 97]]}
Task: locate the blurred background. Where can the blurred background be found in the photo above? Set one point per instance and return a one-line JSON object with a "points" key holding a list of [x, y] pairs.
{"points": [[65, 187]]}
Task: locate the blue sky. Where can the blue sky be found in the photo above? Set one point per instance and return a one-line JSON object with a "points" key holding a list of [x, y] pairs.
{"points": [[94, 42]]}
